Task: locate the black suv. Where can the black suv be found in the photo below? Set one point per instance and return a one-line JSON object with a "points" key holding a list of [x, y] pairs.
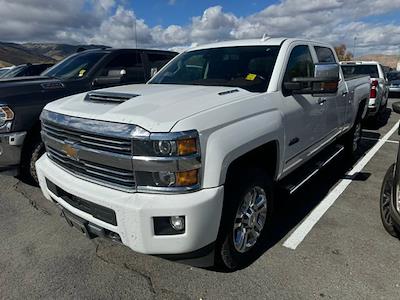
{"points": [[22, 99]]}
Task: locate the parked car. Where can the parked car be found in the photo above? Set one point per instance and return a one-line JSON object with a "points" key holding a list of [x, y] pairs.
{"points": [[186, 166], [390, 198], [4, 70], [26, 70], [379, 85], [22, 99], [394, 81]]}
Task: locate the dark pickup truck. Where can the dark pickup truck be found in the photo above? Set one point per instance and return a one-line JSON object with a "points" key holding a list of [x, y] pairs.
{"points": [[22, 99]]}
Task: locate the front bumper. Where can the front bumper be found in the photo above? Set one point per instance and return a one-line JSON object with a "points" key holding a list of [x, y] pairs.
{"points": [[10, 151], [135, 212]]}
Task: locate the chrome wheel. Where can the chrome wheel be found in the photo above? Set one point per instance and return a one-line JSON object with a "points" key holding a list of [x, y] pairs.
{"points": [[250, 219], [357, 136]]}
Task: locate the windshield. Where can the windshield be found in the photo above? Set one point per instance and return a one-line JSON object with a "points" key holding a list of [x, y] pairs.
{"points": [[13, 72], [353, 70], [75, 66], [393, 76], [249, 68]]}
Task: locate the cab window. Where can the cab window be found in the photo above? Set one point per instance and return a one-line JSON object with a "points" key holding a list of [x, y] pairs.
{"points": [[300, 64], [325, 55]]}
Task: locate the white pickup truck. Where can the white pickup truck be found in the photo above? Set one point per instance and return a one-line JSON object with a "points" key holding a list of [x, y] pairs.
{"points": [[185, 166]]}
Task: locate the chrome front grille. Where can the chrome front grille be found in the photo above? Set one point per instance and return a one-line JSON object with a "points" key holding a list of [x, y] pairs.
{"points": [[105, 174], [89, 140], [101, 153]]}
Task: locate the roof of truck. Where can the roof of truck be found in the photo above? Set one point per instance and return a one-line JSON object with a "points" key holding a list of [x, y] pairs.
{"points": [[359, 62], [252, 42]]}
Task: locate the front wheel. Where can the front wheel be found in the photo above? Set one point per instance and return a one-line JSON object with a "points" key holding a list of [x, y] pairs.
{"points": [[385, 202], [32, 155], [247, 215]]}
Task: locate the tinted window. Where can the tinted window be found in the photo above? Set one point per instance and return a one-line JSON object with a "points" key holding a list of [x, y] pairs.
{"points": [[393, 76], [300, 63], [249, 68], [158, 60], [131, 63], [354, 70], [325, 55], [75, 66], [14, 71]]}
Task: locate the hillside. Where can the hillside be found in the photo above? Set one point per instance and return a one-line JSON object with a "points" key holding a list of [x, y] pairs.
{"points": [[15, 54], [386, 60]]}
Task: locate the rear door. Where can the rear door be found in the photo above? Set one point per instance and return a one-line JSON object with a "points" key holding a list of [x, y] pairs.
{"points": [[303, 114], [335, 105]]}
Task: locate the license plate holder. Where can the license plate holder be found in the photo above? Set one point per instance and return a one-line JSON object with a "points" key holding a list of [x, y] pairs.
{"points": [[76, 222]]}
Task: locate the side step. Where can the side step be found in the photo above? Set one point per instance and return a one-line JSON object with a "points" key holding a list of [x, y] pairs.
{"points": [[299, 177]]}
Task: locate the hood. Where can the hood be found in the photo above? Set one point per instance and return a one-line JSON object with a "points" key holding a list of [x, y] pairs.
{"points": [[155, 107], [12, 87]]}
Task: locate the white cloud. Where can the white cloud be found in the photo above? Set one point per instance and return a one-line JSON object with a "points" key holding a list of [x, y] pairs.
{"points": [[110, 22]]}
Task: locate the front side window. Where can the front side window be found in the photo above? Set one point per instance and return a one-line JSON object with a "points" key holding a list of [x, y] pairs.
{"points": [[76, 66], [247, 67], [325, 55]]}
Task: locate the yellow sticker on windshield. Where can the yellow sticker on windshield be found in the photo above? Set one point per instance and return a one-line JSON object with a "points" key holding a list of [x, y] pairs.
{"points": [[251, 76], [82, 72]]}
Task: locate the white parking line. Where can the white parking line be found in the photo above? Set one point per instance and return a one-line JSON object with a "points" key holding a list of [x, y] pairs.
{"points": [[305, 227], [374, 139]]}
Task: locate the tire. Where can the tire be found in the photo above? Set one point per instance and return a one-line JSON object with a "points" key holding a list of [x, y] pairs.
{"points": [[241, 234], [352, 139], [384, 203], [32, 154]]}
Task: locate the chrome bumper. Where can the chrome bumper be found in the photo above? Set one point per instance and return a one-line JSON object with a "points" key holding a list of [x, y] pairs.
{"points": [[10, 151]]}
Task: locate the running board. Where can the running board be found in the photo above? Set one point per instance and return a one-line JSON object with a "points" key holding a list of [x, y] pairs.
{"points": [[293, 183]]}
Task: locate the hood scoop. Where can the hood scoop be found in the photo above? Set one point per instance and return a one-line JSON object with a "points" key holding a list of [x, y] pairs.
{"points": [[109, 97]]}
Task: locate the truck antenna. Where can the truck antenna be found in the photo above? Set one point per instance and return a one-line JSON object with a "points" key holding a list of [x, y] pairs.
{"points": [[265, 37]]}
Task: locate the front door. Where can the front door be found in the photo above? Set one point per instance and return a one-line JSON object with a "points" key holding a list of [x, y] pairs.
{"points": [[303, 114]]}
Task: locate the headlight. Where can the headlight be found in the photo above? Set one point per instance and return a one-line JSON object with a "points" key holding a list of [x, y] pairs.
{"points": [[167, 161], [6, 115]]}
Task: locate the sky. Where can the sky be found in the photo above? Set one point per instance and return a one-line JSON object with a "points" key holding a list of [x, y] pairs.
{"points": [[176, 24]]}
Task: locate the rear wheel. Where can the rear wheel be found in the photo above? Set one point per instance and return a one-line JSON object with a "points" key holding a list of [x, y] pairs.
{"points": [[247, 216], [385, 202], [352, 139]]}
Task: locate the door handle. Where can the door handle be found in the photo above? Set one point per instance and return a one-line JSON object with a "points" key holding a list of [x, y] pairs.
{"points": [[321, 101]]}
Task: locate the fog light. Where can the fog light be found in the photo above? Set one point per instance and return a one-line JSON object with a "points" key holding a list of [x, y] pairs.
{"points": [[177, 222]]}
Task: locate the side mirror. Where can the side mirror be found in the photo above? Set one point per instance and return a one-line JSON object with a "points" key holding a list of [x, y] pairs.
{"points": [[325, 81], [153, 71], [113, 77], [396, 107]]}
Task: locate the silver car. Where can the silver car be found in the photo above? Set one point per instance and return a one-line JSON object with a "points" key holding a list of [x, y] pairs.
{"points": [[394, 81]]}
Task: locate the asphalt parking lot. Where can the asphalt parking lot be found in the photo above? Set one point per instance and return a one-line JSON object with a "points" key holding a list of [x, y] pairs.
{"points": [[346, 255]]}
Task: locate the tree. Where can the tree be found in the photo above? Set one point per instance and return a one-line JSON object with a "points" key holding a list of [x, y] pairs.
{"points": [[342, 53]]}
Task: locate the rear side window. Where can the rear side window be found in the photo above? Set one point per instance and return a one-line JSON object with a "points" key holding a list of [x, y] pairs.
{"points": [[325, 55]]}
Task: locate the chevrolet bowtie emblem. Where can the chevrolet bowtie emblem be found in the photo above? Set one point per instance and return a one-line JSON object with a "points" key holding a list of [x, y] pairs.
{"points": [[71, 151]]}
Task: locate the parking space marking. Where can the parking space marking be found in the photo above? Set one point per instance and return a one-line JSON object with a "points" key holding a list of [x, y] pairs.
{"points": [[372, 139], [305, 227]]}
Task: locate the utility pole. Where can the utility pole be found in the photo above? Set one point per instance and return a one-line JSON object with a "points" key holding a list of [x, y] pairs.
{"points": [[354, 47]]}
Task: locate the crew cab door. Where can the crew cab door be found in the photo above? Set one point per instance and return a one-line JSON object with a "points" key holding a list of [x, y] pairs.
{"points": [[335, 105], [303, 113]]}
